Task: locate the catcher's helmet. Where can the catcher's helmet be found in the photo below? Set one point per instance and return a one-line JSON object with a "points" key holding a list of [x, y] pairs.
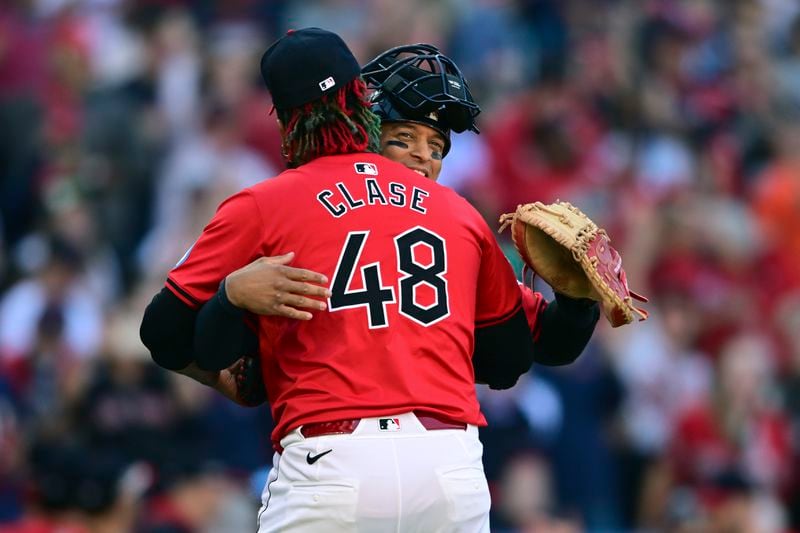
{"points": [[417, 83]]}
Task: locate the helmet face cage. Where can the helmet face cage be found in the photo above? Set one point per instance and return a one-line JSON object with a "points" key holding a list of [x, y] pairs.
{"points": [[418, 80], [384, 108]]}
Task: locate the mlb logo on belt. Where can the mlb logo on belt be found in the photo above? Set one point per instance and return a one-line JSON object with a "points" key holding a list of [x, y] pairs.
{"points": [[367, 168], [389, 424]]}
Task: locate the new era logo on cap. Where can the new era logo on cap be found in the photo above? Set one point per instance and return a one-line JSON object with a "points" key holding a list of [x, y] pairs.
{"points": [[366, 168], [327, 83]]}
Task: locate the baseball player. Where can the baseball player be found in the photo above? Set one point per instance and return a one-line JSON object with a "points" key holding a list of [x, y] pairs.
{"points": [[374, 402], [408, 92]]}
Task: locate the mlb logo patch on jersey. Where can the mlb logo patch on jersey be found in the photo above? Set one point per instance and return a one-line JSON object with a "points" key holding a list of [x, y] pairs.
{"points": [[367, 168], [389, 424]]}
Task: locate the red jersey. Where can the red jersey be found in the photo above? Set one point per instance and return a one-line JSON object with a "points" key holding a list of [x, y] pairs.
{"points": [[413, 269]]}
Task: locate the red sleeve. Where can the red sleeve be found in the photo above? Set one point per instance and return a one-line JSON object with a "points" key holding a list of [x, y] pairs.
{"points": [[534, 304], [498, 296], [232, 239]]}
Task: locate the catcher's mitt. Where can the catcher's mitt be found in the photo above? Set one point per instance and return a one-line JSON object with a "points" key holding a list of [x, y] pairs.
{"points": [[566, 249], [250, 390]]}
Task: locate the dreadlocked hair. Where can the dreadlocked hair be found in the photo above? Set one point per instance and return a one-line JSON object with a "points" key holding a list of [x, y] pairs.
{"points": [[337, 123]]}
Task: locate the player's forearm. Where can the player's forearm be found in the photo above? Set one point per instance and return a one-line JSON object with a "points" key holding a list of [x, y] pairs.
{"points": [[206, 377], [565, 329], [503, 352], [221, 335], [167, 330]]}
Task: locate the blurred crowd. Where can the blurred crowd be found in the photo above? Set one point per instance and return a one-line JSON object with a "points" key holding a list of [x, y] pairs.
{"points": [[675, 124]]}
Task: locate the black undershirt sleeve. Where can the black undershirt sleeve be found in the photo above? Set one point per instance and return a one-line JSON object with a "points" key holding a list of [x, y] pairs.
{"points": [[503, 352], [167, 330], [222, 336], [567, 325]]}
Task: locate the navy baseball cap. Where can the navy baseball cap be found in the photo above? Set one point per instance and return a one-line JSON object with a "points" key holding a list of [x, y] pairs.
{"points": [[303, 65]]}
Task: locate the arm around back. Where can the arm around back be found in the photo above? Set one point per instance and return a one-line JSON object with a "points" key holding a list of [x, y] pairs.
{"points": [[566, 325], [503, 351], [503, 341], [221, 336]]}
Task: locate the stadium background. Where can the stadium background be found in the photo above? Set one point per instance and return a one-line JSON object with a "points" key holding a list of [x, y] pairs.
{"points": [[674, 124]]}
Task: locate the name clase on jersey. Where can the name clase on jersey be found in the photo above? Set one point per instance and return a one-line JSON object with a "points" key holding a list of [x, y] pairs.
{"points": [[343, 200]]}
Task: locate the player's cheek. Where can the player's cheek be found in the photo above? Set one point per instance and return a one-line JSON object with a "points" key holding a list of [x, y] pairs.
{"points": [[436, 169], [393, 152]]}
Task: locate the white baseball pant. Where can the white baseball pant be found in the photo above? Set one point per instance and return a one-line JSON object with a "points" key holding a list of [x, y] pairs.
{"points": [[389, 474]]}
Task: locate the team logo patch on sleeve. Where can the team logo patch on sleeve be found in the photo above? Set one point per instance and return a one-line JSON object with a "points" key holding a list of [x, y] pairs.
{"points": [[367, 168], [389, 424]]}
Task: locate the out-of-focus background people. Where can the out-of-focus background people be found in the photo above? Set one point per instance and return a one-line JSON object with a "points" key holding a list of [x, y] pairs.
{"points": [[675, 124]]}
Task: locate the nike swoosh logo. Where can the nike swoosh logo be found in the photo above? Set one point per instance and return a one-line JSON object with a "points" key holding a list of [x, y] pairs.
{"points": [[313, 459]]}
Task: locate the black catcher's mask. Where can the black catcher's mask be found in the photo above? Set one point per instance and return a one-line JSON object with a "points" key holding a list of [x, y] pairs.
{"points": [[416, 83]]}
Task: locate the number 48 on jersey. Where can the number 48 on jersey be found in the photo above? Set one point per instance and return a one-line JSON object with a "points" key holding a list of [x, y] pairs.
{"points": [[375, 296]]}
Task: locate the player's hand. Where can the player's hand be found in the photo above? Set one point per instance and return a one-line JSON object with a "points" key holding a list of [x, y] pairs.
{"points": [[240, 382], [268, 286], [250, 389], [225, 384]]}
